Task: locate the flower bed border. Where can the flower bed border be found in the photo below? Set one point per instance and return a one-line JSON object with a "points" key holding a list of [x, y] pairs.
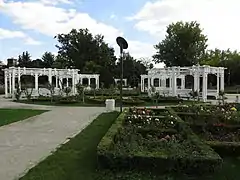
{"points": [[223, 148], [156, 162]]}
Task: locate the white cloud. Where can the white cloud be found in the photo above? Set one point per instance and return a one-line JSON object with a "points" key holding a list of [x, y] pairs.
{"points": [[55, 2], [8, 34], [113, 16], [218, 18], [51, 20]]}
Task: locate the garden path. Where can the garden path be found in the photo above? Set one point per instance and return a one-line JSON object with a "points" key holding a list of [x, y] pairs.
{"points": [[25, 143]]}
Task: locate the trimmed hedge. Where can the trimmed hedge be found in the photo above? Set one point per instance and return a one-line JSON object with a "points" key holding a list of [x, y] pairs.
{"points": [[155, 161], [223, 148]]}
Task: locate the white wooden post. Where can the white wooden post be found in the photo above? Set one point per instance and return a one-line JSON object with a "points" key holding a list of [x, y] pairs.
{"points": [[204, 89], [10, 83], [73, 82], [13, 81], [183, 82], [36, 81], [218, 84], [174, 82], [222, 80], [6, 83], [50, 75], [19, 77]]}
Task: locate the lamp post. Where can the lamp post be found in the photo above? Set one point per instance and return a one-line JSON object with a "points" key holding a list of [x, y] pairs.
{"points": [[122, 43]]}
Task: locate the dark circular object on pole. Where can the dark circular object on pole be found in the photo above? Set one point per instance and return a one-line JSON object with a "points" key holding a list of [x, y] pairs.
{"points": [[122, 42]]}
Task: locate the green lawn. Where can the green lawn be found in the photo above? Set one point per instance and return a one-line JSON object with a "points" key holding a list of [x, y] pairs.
{"points": [[77, 160], [8, 116]]}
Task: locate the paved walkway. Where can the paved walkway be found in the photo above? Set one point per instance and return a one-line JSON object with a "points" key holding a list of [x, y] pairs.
{"points": [[23, 144]]}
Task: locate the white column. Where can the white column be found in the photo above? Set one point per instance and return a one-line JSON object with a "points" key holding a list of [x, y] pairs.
{"points": [[217, 84], [149, 85], [73, 82], [19, 77], [61, 80], [97, 82], [196, 79], [159, 82], [170, 82], [13, 81], [10, 83], [152, 81], [67, 82], [222, 81], [36, 81], [163, 83], [183, 82], [56, 81], [89, 81], [204, 89], [174, 83], [50, 75], [6, 83]]}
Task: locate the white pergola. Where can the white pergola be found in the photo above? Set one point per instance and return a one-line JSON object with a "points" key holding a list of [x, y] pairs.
{"points": [[119, 80], [14, 73], [159, 76]]}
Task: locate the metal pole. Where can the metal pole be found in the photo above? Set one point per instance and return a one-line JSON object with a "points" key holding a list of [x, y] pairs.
{"points": [[121, 79]]}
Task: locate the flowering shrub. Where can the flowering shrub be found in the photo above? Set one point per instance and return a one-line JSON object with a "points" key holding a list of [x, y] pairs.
{"points": [[155, 140], [226, 113]]}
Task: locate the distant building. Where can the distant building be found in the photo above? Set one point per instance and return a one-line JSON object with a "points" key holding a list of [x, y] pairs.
{"points": [[11, 62]]}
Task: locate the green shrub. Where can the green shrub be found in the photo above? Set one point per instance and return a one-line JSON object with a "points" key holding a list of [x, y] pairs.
{"points": [[121, 148], [225, 149]]}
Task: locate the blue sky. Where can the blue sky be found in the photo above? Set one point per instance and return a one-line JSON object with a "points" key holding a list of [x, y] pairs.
{"points": [[30, 25], [111, 13]]}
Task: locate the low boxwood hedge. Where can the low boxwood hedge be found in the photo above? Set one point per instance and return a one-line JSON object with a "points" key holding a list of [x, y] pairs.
{"points": [[156, 161]]}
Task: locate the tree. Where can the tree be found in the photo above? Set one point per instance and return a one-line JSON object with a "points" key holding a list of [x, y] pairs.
{"points": [[37, 63], [24, 60], [184, 45], [132, 69], [90, 54], [48, 59]]}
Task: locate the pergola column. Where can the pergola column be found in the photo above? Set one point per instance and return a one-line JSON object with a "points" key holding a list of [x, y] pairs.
{"points": [[89, 81], [97, 82], [183, 82], [19, 77], [196, 82], [56, 81], [36, 81], [13, 81], [163, 84], [10, 83], [67, 82], [217, 84], [73, 82], [174, 82], [149, 85], [222, 81], [204, 89], [141, 83], [6, 83], [50, 75], [60, 84]]}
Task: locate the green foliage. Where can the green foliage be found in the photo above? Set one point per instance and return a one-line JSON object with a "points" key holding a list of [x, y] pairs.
{"points": [[27, 90], [51, 89], [80, 91], [24, 60], [136, 142], [48, 59], [18, 92], [67, 90], [184, 45]]}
